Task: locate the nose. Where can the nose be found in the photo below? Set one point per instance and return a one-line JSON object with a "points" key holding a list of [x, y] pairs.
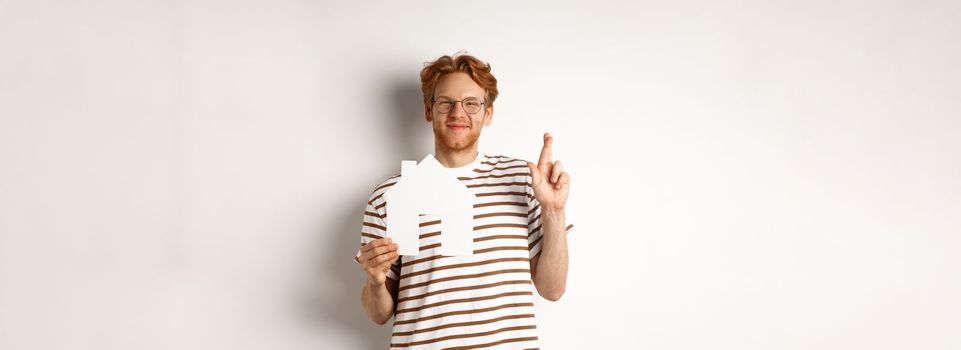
{"points": [[458, 111]]}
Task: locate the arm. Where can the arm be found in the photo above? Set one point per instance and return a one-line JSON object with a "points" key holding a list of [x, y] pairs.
{"points": [[551, 186], [550, 278]]}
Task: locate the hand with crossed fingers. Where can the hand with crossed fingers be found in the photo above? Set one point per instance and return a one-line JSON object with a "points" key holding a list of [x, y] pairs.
{"points": [[551, 183]]}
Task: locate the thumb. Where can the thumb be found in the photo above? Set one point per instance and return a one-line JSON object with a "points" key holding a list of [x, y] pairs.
{"points": [[535, 175]]}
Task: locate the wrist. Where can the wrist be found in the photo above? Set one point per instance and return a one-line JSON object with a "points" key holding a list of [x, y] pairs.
{"points": [[550, 214], [552, 217], [373, 283]]}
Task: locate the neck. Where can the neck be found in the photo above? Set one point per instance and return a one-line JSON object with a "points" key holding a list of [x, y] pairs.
{"points": [[455, 158]]}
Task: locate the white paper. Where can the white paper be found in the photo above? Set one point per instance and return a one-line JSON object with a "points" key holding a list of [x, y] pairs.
{"points": [[429, 188]]}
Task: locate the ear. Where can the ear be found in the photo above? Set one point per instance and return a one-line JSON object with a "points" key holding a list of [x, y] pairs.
{"points": [[488, 115], [427, 113]]}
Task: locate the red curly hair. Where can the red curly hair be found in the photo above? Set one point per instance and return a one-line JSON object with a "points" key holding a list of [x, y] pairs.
{"points": [[478, 71]]}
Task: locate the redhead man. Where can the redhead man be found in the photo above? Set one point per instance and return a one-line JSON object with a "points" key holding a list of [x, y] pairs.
{"points": [[485, 300]]}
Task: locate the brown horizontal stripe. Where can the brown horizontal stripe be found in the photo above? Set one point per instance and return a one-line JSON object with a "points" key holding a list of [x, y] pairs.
{"points": [[370, 235], [380, 206], [463, 300], [484, 227], [501, 168], [534, 219], [499, 184], [460, 289], [461, 336], [460, 277], [535, 230], [538, 206], [569, 227], [386, 184], [493, 176], [488, 194], [538, 240], [461, 324], [418, 261], [490, 215], [481, 239], [455, 266], [370, 224], [499, 342], [372, 200], [517, 204], [463, 312], [488, 250], [429, 246], [502, 161], [435, 222], [373, 214], [429, 235]]}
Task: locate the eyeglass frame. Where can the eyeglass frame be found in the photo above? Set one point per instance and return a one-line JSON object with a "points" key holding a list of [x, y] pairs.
{"points": [[454, 105]]}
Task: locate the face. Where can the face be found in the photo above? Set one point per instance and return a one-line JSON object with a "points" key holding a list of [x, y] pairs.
{"points": [[457, 130]]}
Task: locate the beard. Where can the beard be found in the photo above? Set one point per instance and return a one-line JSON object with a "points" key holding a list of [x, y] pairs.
{"points": [[457, 141]]}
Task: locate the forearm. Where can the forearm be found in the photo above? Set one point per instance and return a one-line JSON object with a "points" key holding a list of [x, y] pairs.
{"points": [[551, 275], [378, 302]]}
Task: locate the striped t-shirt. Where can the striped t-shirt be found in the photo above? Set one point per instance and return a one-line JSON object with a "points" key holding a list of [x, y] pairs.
{"points": [[482, 301]]}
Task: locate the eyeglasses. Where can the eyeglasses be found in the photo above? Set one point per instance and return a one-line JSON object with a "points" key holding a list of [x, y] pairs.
{"points": [[445, 105]]}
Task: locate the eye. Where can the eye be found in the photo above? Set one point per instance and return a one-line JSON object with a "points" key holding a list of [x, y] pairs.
{"points": [[472, 103]]}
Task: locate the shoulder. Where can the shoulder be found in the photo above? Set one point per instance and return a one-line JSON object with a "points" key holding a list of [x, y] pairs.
{"points": [[378, 193]]}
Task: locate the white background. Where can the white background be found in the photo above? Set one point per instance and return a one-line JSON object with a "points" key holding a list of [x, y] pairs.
{"points": [[746, 174]]}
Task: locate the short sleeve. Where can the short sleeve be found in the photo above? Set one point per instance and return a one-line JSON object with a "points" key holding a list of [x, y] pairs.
{"points": [[374, 227], [534, 230]]}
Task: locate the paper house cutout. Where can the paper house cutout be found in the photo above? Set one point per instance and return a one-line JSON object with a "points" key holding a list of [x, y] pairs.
{"points": [[429, 188]]}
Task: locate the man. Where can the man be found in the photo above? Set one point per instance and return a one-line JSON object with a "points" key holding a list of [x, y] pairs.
{"points": [[484, 300]]}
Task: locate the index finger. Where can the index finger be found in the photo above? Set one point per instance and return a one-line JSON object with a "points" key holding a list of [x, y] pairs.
{"points": [[376, 243], [546, 151]]}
